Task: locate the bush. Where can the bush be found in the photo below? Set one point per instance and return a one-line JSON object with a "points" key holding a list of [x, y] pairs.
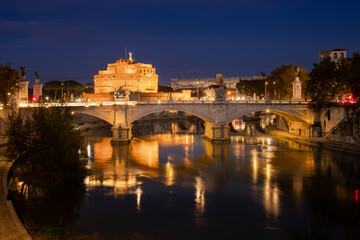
{"points": [[48, 150]]}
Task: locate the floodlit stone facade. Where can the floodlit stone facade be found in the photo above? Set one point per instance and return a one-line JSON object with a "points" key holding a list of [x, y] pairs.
{"points": [[334, 54], [128, 74], [194, 83]]}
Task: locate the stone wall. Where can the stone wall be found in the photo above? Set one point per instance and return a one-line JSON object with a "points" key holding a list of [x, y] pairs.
{"points": [[348, 130], [330, 117]]}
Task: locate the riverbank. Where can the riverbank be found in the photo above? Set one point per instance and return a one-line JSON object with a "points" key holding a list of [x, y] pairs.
{"points": [[10, 225], [314, 142]]}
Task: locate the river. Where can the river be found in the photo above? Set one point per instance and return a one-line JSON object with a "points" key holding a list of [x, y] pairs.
{"points": [[180, 186]]}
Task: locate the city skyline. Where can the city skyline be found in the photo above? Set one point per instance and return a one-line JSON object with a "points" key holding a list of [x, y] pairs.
{"points": [[73, 40]]}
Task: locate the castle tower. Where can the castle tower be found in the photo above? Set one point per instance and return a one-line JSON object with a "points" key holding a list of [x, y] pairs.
{"points": [[128, 74], [37, 90]]}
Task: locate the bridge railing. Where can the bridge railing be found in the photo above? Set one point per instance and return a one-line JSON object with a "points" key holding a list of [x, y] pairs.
{"points": [[96, 104]]}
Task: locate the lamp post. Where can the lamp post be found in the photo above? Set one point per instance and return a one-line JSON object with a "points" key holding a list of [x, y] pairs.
{"points": [[266, 83], [138, 94], [274, 90], [62, 91], [198, 94]]}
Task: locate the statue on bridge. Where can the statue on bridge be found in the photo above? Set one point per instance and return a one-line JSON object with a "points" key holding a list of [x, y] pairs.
{"points": [[216, 93], [22, 72], [37, 74], [121, 94]]}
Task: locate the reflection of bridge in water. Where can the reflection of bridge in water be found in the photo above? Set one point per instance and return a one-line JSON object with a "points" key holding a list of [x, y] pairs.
{"points": [[124, 169], [217, 115]]}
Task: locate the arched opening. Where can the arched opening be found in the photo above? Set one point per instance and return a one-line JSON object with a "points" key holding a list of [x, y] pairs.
{"points": [[86, 121], [168, 122], [256, 122]]}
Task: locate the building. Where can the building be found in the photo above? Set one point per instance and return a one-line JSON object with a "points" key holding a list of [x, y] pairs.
{"points": [[139, 78], [334, 54], [128, 74], [195, 83]]}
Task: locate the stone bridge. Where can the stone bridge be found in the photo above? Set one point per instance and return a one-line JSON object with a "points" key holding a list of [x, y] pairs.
{"points": [[217, 115]]}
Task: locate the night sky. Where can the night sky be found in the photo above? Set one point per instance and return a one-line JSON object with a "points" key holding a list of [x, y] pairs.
{"points": [[73, 39]]}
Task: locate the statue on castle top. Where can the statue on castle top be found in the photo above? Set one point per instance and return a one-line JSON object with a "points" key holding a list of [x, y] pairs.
{"points": [[130, 56], [121, 94], [37, 74]]}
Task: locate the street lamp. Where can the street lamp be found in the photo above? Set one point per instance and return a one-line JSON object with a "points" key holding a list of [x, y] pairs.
{"points": [[138, 94], [274, 90], [266, 83], [62, 91], [198, 94]]}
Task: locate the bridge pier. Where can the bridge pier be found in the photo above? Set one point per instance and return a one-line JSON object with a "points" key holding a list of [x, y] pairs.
{"points": [[218, 132], [121, 134]]}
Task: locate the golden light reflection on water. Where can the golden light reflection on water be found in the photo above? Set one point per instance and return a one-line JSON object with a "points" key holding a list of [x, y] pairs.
{"points": [[169, 173], [122, 169], [199, 195], [255, 165], [146, 153]]}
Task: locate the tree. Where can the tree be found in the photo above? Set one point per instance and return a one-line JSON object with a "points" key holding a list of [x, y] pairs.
{"points": [[9, 79], [54, 87], [324, 84], [249, 87], [350, 75], [46, 148], [73, 87], [282, 78]]}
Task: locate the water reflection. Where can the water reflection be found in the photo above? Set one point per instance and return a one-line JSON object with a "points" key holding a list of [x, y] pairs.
{"points": [[253, 188]]}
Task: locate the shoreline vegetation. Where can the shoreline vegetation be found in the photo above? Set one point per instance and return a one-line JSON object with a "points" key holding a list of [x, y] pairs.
{"points": [[47, 153]]}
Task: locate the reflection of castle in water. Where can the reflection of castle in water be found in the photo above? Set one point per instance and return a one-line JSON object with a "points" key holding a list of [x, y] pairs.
{"points": [[179, 160]]}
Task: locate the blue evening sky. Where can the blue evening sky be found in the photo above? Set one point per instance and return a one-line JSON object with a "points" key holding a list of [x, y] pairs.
{"points": [[73, 39]]}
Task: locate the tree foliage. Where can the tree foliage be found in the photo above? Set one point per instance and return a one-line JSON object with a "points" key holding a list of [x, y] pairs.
{"points": [[9, 79], [324, 84], [54, 87], [47, 148], [283, 77], [249, 87], [330, 80], [67, 87]]}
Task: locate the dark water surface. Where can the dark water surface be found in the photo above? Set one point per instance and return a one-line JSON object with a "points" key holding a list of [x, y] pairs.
{"points": [[168, 186]]}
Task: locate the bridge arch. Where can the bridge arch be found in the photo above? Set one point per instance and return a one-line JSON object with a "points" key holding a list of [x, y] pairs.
{"points": [[288, 113], [144, 111], [97, 114]]}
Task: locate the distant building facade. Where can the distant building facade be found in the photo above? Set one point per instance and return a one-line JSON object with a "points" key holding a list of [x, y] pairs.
{"points": [[128, 74], [334, 55], [194, 83]]}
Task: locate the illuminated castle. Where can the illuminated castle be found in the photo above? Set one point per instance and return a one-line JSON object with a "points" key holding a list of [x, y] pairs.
{"points": [[128, 74]]}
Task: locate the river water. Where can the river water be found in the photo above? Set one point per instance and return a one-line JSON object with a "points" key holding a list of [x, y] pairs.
{"points": [[180, 186]]}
